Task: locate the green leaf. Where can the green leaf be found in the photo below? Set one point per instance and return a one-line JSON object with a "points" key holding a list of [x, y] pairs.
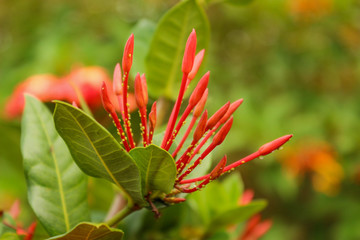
{"points": [[143, 32], [217, 198], [57, 189], [9, 236], [163, 62], [96, 151], [91, 231], [157, 168], [239, 2], [236, 215]]}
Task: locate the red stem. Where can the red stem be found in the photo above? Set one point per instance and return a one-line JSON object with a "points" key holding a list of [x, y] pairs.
{"points": [[144, 130], [197, 162], [226, 169], [126, 111], [175, 112], [121, 132], [120, 101], [151, 134], [200, 186], [178, 148], [183, 160], [179, 125]]}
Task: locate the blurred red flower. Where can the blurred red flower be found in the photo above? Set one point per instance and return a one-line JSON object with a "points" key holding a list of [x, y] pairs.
{"points": [[254, 228], [48, 87]]}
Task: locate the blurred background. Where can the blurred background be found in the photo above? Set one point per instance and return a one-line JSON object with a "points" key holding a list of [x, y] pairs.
{"points": [[296, 63]]}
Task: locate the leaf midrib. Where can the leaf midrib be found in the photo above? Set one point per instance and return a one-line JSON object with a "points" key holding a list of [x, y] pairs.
{"points": [[148, 171], [57, 171], [97, 153]]}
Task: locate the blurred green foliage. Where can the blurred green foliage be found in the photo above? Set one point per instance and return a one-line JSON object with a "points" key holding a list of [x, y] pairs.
{"points": [[296, 66]]}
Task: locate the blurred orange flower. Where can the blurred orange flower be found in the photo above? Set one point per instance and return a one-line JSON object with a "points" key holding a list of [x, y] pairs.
{"points": [[307, 9], [48, 87], [319, 160]]}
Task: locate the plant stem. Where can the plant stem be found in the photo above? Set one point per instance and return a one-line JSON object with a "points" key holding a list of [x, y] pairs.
{"points": [[122, 214], [117, 205]]}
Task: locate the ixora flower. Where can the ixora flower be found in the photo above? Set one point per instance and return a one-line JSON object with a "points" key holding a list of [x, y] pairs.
{"points": [[158, 172], [11, 221], [47, 87], [221, 120]]}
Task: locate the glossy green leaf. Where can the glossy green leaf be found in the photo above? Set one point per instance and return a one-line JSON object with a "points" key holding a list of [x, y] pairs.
{"points": [[91, 231], [157, 167], [163, 62], [236, 215], [57, 189], [96, 151], [143, 32], [9, 236], [217, 198], [239, 2]]}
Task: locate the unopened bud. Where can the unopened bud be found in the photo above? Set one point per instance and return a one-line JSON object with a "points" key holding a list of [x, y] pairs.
{"points": [[201, 127], [197, 63], [222, 133], [273, 145], [213, 120], [218, 170], [199, 90], [141, 95], [174, 200], [189, 53], [144, 85], [246, 197], [128, 54], [152, 116], [231, 110], [117, 82], [108, 106], [201, 104], [75, 104]]}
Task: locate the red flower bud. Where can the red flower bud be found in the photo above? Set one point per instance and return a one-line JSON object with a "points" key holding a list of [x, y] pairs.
{"points": [[221, 134], [200, 128], [75, 104], [201, 104], [108, 106], [30, 231], [246, 197], [15, 209], [141, 95], [199, 90], [152, 116], [174, 200], [213, 120], [218, 170], [117, 82], [197, 63], [144, 85], [128, 54], [189, 53], [273, 145], [231, 110]]}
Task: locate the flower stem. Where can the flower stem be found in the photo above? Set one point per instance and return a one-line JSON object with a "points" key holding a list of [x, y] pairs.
{"points": [[175, 112], [192, 123], [126, 114], [122, 214]]}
